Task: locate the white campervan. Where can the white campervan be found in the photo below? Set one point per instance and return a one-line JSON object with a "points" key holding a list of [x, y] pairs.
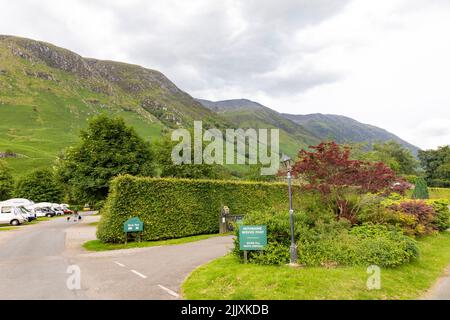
{"points": [[22, 204], [13, 215]]}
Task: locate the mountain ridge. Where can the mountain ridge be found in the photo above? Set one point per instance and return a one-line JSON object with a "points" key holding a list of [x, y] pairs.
{"points": [[341, 128]]}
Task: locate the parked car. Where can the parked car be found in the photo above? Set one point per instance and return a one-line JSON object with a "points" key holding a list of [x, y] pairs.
{"points": [[11, 215], [65, 208], [41, 210], [56, 207]]}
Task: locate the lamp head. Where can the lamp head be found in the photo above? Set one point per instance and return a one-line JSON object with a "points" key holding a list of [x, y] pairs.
{"points": [[287, 161]]}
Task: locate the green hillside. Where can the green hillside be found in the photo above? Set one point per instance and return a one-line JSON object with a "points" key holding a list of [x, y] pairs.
{"points": [[248, 114], [344, 130], [48, 93], [302, 130]]}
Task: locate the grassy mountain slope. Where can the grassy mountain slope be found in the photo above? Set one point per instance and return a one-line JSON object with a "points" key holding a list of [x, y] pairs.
{"points": [[297, 130], [48, 93], [248, 114], [343, 129]]}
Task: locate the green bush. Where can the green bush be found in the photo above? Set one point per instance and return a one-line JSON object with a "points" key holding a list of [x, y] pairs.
{"points": [[174, 208], [329, 242], [362, 245], [420, 189], [6, 181], [39, 186], [442, 213]]}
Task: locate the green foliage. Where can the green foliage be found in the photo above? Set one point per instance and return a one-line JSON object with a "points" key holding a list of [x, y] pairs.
{"points": [[421, 189], [254, 174], [362, 245], [6, 181], [437, 166], [107, 149], [174, 208], [327, 242], [39, 186], [163, 151], [391, 153], [413, 217], [442, 213], [439, 193], [410, 178]]}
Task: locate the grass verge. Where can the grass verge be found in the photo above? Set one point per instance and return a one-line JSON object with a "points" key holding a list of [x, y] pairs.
{"points": [[97, 245], [7, 227], [227, 278]]}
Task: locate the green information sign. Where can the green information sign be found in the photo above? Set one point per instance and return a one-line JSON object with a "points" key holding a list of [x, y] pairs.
{"points": [[252, 238], [133, 225]]}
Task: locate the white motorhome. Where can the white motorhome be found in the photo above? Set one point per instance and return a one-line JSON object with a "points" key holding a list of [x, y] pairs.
{"points": [[13, 215], [20, 202], [22, 205]]}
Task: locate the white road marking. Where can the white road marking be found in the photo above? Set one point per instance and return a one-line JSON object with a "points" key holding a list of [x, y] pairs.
{"points": [[169, 291], [139, 274], [119, 264]]}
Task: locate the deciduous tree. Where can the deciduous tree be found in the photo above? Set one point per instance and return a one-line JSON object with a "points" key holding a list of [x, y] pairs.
{"points": [[6, 181], [107, 149], [330, 170], [39, 186]]}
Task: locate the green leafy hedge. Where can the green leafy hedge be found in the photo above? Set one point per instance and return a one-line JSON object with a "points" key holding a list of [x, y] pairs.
{"points": [[174, 208]]}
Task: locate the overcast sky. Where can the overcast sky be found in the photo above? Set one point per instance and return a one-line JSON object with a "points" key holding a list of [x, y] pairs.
{"points": [[384, 62]]}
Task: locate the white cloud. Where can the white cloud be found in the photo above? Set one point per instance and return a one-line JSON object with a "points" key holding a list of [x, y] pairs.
{"points": [[381, 62]]}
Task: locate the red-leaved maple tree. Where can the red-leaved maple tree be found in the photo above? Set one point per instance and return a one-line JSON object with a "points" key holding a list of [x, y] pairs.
{"points": [[329, 169]]}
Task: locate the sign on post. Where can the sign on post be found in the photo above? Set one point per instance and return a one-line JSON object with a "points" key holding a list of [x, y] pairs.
{"points": [[133, 225], [252, 238]]}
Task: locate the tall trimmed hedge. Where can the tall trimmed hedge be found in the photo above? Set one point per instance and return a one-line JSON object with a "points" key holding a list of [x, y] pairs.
{"points": [[174, 208]]}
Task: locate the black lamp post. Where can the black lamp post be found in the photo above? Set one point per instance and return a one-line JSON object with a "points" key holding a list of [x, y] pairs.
{"points": [[293, 250]]}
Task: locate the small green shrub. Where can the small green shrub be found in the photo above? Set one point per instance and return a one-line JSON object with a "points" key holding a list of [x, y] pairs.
{"points": [[442, 213], [362, 245], [420, 189]]}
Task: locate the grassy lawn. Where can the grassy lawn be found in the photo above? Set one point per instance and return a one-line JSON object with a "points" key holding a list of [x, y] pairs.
{"points": [[97, 245], [439, 193], [227, 278]]}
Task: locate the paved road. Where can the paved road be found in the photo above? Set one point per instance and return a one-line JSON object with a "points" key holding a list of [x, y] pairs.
{"points": [[441, 290], [34, 264]]}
